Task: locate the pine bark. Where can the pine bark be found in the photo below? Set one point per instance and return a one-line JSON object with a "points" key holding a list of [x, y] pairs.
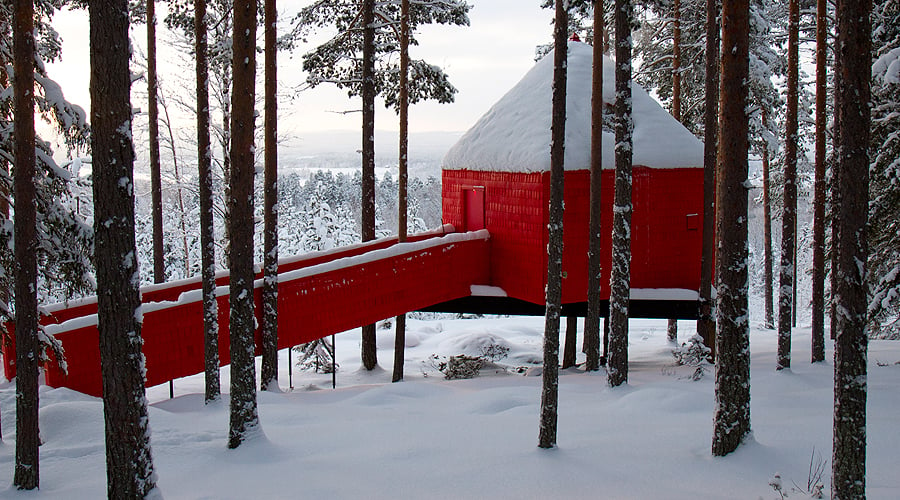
{"points": [[620, 279], [550, 378], [706, 327], [672, 325], [207, 237], [672, 330], [4, 164], [835, 182], [129, 464], [676, 59], [227, 82], [732, 408], [159, 266], [369, 352], [27, 473], [4, 170], [569, 347], [592, 317], [768, 276], [403, 181], [244, 419], [818, 266], [850, 357], [789, 213], [269, 368]]}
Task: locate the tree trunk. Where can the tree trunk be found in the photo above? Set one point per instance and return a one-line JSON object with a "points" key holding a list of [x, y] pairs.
{"points": [[369, 353], [732, 410], [676, 59], [27, 475], [400, 333], [835, 183], [550, 386], [849, 448], [706, 326], [244, 419], [129, 465], [768, 259], [226, 157], [269, 368], [592, 317], [159, 265], [789, 213], [568, 360], [207, 237], [620, 279], [4, 170], [672, 327], [818, 266]]}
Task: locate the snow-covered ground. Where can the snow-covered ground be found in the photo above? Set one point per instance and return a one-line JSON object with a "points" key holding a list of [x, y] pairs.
{"points": [[431, 438]]}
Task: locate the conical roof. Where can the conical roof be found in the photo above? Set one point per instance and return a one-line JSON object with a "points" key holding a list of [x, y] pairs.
{"points": [[514, 135]]}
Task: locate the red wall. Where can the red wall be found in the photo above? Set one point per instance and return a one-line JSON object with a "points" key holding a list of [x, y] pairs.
{"points": [[513, 204], [665, 251]]}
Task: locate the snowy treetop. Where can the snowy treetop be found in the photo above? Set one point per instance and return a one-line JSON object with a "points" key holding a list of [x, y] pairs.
{"points": [[514, 135]]}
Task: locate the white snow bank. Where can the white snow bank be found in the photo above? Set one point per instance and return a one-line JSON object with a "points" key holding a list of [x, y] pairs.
{"points": [[430, 438], [514, 135]]}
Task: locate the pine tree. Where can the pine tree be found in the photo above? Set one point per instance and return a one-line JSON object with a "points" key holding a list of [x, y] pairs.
{"points": [[402, 202], [706, 327], [65, 240], [269, 369], [732, 410], [317, 355], [768, 279], [337, 61], [4, 172], [884, 212], [568, 359], [244, 419], [212, 387], [818, 268], [159, 272], [789, 211], [369, 347], [620, 277], [671, 50], [550, 387], [128, 458], [27, 470], [592, 317], [848, 478]]}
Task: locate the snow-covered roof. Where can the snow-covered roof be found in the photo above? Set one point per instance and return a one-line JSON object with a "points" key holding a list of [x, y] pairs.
{"points": [[514, 135]]}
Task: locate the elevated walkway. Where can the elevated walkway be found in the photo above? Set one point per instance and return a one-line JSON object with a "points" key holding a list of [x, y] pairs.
{"points": [[319, 294]]}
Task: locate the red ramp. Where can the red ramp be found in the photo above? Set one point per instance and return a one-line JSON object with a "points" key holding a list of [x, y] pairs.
{"points": [[318, 295]]}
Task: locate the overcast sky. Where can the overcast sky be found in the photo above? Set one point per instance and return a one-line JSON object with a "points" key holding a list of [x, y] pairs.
{"points": [[483, 60]]}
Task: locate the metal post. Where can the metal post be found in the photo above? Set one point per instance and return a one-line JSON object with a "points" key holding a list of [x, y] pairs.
{"points": [[333, 363]]}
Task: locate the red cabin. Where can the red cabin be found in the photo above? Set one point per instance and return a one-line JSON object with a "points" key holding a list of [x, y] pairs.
{"points": [[497, 177]]}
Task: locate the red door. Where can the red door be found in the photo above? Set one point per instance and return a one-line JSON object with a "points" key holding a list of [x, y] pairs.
{"points": [[473, 201]]}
